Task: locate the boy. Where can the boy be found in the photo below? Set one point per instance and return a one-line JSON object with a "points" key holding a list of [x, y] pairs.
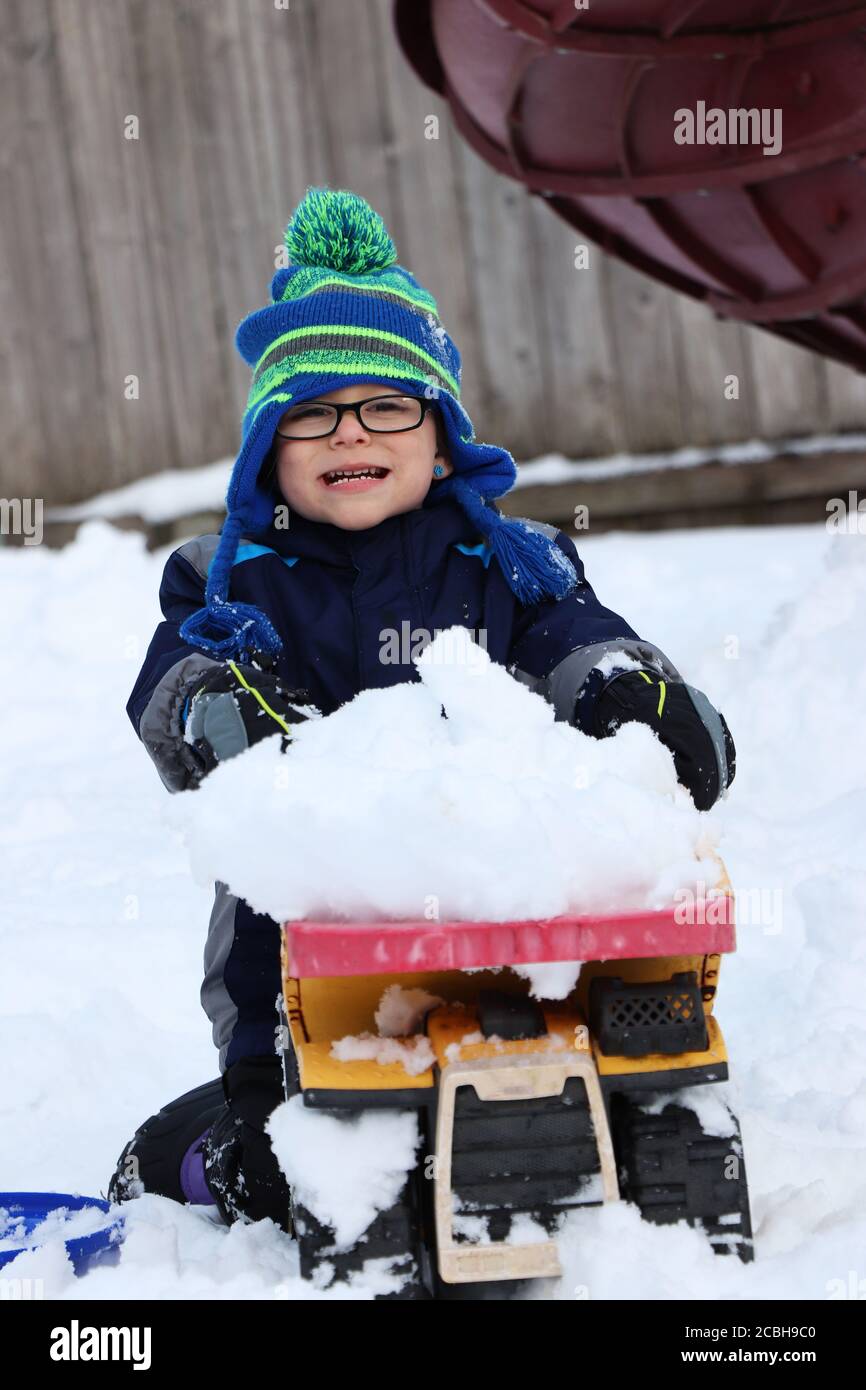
{"points": [[359, 501]]}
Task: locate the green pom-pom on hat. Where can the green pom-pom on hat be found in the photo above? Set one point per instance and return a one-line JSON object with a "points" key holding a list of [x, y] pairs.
{"points": [[338, 230]]}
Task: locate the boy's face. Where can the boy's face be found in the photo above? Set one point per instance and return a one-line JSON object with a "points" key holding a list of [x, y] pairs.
{"points": [[402, 463]]}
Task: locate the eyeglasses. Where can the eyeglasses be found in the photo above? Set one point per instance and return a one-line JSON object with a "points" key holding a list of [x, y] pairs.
{"points": [[379, 414]]}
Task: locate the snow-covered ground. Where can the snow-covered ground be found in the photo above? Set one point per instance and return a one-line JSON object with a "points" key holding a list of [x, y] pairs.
{"points": [[103, 922]]}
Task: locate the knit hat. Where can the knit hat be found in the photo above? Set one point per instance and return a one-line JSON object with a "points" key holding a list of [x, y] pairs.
{"points": [[343, 313]]}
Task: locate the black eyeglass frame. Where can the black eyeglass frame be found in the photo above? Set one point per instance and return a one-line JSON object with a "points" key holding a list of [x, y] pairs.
{"points": [[355, 407]]}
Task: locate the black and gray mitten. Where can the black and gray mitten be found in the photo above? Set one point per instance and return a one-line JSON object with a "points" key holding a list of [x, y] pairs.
{"points": [[686, 723], [235, 706]]}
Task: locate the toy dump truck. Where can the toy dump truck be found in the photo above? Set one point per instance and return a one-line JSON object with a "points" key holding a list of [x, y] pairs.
{"points": [[527, 1109]]}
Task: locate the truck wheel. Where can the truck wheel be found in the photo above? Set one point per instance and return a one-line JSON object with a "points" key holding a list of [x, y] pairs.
{"points": [[672, 1170], [395, 1235]]}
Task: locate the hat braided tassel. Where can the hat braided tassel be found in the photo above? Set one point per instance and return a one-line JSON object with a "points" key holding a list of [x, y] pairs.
{"points": [[226, 629], [534, 566]]}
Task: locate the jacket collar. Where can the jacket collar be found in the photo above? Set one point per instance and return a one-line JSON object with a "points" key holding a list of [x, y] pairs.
{"points": [[428, 531]]}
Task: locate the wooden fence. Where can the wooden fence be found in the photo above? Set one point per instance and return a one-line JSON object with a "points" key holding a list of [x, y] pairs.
{"points": [[151, 153]]}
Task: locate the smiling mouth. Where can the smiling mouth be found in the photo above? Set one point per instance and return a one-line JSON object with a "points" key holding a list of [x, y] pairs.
{"points": [[336, 477]]}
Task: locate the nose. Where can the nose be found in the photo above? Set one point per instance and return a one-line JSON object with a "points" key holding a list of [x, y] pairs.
{"points": [[349, 430]]}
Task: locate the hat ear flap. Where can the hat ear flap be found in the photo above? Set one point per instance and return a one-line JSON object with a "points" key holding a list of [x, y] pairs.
{"points": [[267, 478], [443, 446]]}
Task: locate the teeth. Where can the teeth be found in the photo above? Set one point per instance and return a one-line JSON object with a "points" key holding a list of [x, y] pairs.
{"points": [[341, 475]]}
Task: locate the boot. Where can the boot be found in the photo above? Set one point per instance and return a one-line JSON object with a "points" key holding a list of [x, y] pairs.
{"points": [[165, 1154], [240, 1166]]}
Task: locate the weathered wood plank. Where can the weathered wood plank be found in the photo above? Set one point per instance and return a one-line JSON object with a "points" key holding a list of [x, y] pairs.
{"points": [[245, 91], [345, 79], [789, 387], [846, 397], [176, 238], [709, 352], [433, 216], [518, 408], [585, 391], [641, 318], [50, 414], [100, 82]]}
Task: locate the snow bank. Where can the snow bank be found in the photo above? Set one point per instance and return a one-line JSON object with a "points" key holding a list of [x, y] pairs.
{"points": [[556, 468], [497, 811], [165, 496]]}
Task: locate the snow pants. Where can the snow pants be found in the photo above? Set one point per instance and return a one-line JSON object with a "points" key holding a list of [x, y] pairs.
{"points": [[242, 978]]}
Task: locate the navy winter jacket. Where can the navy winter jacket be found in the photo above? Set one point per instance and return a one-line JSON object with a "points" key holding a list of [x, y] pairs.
{"points": [[334, 597]]}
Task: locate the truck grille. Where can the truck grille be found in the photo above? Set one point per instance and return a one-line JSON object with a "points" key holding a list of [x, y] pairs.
{"points": [[635, 1020], [535, 1156]]}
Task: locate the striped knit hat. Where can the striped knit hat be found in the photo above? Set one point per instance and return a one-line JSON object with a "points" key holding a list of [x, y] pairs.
{"points": [[342, 313]]}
